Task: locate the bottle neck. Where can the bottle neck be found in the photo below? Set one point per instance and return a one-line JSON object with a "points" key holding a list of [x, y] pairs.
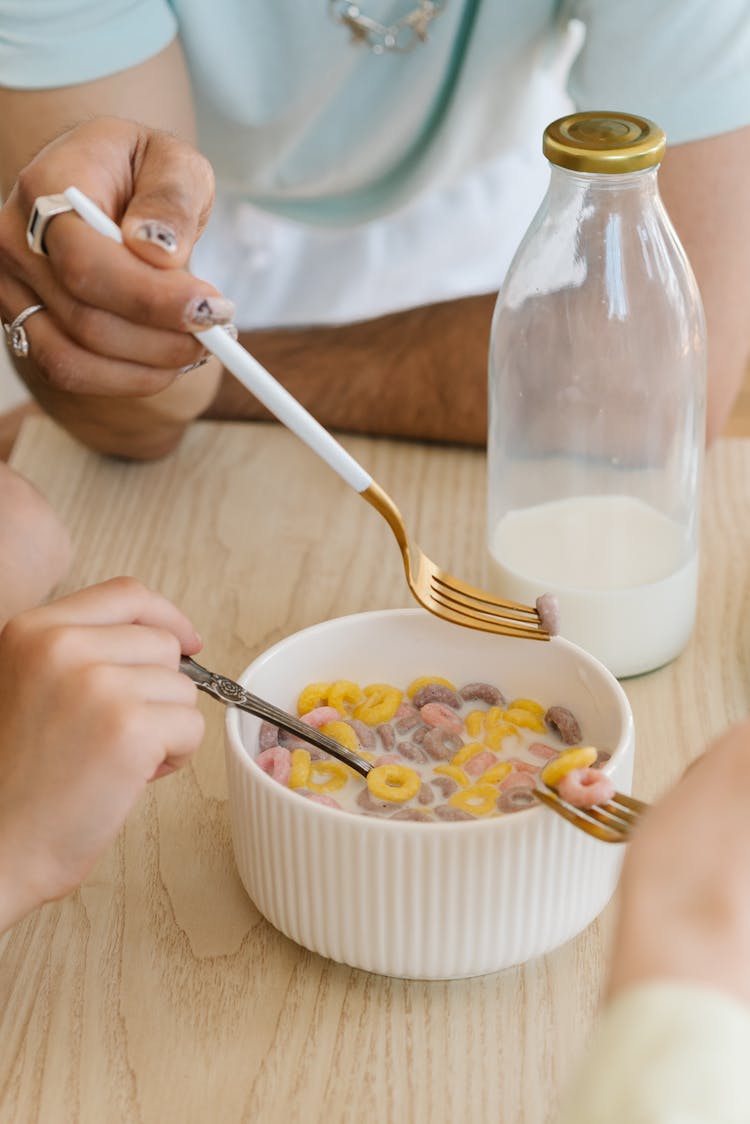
{"points": [[566, 184]]}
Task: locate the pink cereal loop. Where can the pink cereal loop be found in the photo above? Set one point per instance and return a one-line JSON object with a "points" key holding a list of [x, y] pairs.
{"points": [[479, 763], [438, 714], [583, 788], [277, 762], [545, 752], [524, 766], [320, 716]]}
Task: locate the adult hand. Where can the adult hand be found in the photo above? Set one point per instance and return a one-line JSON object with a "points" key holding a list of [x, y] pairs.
{"points": [[117, 319], [685, 888], [92, 707]]}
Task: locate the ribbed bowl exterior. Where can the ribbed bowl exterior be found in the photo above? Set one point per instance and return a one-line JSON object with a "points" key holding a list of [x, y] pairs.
{"points": [[414, 900]]}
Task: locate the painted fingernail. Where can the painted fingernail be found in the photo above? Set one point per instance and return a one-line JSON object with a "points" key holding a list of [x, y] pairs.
{"points": [[158, 234], [209, 310], [194, 366]]}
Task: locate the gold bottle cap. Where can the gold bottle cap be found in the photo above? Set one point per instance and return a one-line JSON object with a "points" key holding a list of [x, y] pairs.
{"points": [[604, 142]]}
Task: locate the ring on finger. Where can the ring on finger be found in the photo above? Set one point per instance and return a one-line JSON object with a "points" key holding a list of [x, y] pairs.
{"points": [[15, 332], [44, 210]]}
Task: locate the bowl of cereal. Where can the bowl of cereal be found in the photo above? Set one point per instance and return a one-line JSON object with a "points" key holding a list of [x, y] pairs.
{"points": [[442, 864]]}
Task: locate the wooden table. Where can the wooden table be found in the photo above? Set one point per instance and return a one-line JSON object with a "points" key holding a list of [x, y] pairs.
{"points": [[157, 993]]}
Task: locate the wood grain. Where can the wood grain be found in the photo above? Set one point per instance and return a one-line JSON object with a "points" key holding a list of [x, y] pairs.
{"points": [[156, 993]]}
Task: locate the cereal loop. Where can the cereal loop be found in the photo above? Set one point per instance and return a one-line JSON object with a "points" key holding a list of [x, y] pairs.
{"points": [[342, 733], [300, 770], [380, 704], [586, 787], [276, 761], [479, 799], [474, 722], [327, 776], [578, 758], [312, 696], [426, 681], [497, 773], [345, 695], [319, 716], [520, 716], [393, 782], [496, 735], [454, 772], [438, 714], [527, 704], [471, 749], [479, 764]]}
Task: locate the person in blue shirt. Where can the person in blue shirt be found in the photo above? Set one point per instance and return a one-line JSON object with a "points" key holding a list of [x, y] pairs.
{"points": [[359, 202]]}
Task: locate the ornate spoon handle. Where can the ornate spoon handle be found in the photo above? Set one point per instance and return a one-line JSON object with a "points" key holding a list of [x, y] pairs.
{"points": [[232, 694]]}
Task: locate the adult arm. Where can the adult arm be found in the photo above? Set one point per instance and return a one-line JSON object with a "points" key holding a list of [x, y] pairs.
{"points": [[92, 382]]}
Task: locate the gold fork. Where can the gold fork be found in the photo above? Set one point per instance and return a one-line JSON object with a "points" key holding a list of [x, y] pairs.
{"points": [[612, 822], [434, 588]]}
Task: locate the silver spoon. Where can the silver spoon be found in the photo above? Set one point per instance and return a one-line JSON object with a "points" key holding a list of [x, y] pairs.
{"points": [[231, 694]]}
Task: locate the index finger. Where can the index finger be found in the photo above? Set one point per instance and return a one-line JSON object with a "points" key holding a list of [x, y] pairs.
{"points": [[122, 600]]}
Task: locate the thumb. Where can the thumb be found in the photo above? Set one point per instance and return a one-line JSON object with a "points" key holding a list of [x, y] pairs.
{"points": [[173, 192]]}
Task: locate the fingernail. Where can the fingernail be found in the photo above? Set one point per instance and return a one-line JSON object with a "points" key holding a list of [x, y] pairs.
{"points": [[209, 310], [194, 366], [159, 234]]}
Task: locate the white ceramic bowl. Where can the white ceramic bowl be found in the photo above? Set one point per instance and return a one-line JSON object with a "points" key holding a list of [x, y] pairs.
{"points": [[426, 901]]}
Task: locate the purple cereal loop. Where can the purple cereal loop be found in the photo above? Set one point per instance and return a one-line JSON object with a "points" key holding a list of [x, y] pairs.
{"points": [[387, 736], [602, 757], [446, 786], [549, 613], [419, 734], [482, 692], [441, 744], [516, 800], [426, 795], [564, 723], [406, 718], [411, 752], [368, 803], [415, 814], [268, 735], [365, 734], [448, 812], [436, 692]]}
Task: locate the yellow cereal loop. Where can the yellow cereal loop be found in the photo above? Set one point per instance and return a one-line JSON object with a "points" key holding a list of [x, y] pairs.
{"points": [[496, 773], [474, 721], [425, 681], [453, 771], [522, 717], [471, 749], [495, 736], [528, 704], [380, 704], [300, 770], [327, 776], [479, 799], [579, 757], [312, 696], [394, 782], [343, 695], [342, 733], [493, 717]]}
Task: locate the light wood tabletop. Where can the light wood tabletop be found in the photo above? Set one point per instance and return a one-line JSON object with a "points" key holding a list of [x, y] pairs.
{"points": [[157, 993]]}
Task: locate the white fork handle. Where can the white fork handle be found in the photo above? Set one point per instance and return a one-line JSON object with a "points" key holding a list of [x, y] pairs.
{"points": [[247, 370]]}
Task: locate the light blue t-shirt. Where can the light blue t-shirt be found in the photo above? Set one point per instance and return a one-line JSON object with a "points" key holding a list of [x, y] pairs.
{"points": [[299, 120]]}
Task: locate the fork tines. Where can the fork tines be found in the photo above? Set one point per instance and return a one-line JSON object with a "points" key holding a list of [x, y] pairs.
{"points": [[611, 823], [477, 609]]}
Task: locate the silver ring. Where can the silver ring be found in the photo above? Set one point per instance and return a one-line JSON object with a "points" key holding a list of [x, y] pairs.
{"points": [[44, 210], [18, 341]]}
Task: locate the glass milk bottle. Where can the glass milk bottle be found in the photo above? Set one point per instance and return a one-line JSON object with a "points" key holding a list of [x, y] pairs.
{"points": [[597, 374]]}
